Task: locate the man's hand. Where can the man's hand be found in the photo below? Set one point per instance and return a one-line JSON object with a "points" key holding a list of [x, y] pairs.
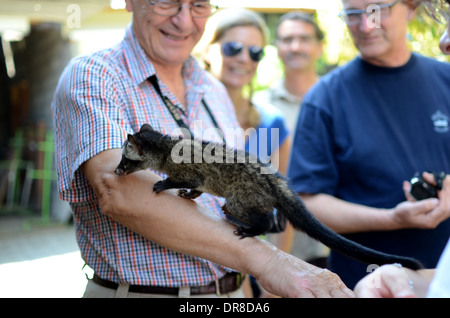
{"points": [[388, 281], [393, 281], [287, 276], [425, 214]]}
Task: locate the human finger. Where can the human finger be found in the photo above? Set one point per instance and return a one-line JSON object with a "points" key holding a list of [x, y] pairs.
{"points": [[336, 288], [396, 281], [429, 178], [388, 281], [407, 191]]}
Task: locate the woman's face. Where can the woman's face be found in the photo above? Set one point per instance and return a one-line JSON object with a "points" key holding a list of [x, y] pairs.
{"points": [[237, 70]]}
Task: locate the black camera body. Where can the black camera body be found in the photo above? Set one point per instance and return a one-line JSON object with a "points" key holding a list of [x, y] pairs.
{"points": [[421, 190]]}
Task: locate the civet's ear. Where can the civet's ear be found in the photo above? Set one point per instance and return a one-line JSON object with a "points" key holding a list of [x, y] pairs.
{"points": [[146, 127], [132, 141]]}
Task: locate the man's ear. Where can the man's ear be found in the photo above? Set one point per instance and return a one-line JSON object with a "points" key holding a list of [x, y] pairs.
{"points": [[411, 5], [411, 14], [129, 5], [211, 53]]}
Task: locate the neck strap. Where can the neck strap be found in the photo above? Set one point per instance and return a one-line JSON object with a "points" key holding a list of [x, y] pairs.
{"points": [[174, 112]]}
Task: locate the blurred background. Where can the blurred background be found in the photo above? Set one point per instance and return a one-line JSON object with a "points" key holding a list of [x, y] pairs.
{"points": [[38, 252]]}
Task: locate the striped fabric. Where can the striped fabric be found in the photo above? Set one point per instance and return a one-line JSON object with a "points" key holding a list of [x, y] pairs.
{"points": [[99, 100]]}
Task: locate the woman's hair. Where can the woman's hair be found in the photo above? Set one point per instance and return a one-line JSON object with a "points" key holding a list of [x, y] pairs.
{"points": [[226, 19], [218, 25]]}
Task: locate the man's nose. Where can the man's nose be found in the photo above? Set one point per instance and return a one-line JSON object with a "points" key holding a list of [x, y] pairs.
{"points": [[184, 17], [367, 23]]}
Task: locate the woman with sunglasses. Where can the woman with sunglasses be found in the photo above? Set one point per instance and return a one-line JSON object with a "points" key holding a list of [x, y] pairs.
{"points": [[233, 52], [393, 280]]}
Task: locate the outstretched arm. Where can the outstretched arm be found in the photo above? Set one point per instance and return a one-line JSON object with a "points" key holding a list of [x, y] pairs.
{"points": [[346, 217], [183, 226]]}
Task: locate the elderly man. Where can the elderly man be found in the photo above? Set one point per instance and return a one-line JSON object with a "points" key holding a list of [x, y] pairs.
{"points": [[393, 280], [138, 243], [365, 129]]}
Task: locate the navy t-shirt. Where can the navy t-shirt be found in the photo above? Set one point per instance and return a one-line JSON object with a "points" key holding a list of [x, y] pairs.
{"points": [[362, 131]]}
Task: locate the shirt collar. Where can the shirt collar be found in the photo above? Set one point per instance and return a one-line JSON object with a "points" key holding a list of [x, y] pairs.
{"points": [[281, 92]]}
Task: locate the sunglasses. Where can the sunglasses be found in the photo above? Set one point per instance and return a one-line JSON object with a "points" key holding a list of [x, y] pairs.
{"points": [[234, 48]]}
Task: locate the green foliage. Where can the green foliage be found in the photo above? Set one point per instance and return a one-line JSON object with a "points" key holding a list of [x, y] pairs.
{"points": [[424, 35]]}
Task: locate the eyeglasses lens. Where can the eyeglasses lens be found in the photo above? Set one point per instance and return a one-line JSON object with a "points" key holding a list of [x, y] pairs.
{"points": [[234, 48]]}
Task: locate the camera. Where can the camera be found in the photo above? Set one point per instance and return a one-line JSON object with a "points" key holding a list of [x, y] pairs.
{"points": [[421, 190]]}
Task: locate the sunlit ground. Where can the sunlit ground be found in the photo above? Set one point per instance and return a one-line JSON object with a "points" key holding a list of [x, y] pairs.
{"points": [[39, 260], [58, 276]]}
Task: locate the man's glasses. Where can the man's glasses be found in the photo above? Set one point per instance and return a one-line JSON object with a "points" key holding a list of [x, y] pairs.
{"points": [[439, 10], [199, 9], [234, 48], [354, 17]]}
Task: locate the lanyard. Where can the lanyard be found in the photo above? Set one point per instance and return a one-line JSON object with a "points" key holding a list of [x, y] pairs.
{"points": [[175, 114]]}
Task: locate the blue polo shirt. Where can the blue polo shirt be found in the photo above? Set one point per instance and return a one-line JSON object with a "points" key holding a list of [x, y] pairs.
{"points": [[362, 131]]}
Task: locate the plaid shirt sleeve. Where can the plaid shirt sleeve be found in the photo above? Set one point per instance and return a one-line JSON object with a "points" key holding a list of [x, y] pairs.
{"points": [[88, 120]]}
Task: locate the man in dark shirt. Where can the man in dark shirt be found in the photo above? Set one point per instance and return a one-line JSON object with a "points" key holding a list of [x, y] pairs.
{"points": [[366, 128]]}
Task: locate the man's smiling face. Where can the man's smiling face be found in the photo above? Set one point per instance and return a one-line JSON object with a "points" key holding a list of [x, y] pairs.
{"points": [[166, 40]]}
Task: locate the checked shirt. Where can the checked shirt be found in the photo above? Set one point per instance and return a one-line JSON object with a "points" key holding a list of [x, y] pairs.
{"points": [[99, 100]]}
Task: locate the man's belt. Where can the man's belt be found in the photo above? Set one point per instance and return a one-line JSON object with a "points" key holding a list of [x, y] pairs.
{"points": [[227, 284]]}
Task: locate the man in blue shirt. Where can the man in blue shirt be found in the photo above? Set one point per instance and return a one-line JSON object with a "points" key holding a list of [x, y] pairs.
{"points": [[367, 127]]}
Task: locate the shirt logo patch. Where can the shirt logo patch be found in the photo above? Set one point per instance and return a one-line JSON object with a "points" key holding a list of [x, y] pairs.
{"points": [[440, 122]]}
